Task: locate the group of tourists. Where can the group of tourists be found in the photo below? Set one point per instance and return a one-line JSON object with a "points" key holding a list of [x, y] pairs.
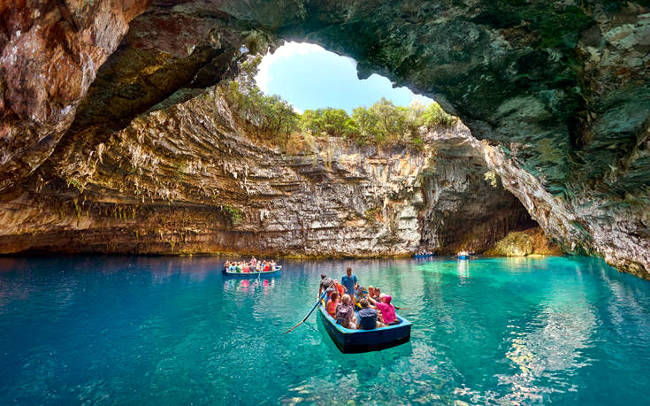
{"points": [[341, 299], [252, 266]]}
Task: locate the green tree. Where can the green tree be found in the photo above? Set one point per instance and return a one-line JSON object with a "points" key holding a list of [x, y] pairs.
{"points": [[266, 116], [310, 121], [333, 121], [434, 116], [366, 122], [270, 117]]}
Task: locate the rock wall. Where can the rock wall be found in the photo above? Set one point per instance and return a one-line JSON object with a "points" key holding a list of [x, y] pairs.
{"points": [[559, 92], [50, 52], [188, 179], [524, 243]]}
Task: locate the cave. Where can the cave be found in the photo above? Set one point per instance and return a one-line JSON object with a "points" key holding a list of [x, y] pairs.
{"points": [[172, 233], [110, 130]]}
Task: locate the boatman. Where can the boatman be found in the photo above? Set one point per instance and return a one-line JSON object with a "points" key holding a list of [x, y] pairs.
{"points": [[350, 282], [325, 284]]}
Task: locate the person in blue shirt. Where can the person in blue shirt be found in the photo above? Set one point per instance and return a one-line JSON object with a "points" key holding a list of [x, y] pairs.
{"points": [[350, 282]]}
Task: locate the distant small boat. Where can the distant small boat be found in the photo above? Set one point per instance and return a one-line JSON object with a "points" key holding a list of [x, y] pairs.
{"points": [[276, 269], [463, 255], [423, 255], [356, 341]]}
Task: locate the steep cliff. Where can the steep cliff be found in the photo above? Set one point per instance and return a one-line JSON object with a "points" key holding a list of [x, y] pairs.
{"points": [[188, 179], [558, 92]]}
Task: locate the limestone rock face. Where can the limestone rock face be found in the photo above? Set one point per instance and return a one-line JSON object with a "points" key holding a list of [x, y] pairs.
{"points": [[187, 179], [523, 243], [558, 93], [49, 54]]}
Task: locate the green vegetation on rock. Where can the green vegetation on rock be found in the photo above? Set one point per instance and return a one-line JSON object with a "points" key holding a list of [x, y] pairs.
{"points": [[234, 214], [383, 124]]}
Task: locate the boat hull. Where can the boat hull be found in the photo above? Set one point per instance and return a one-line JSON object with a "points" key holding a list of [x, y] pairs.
{"points": [[275, 271], [423, 255], [463, 257], [355, 341]]}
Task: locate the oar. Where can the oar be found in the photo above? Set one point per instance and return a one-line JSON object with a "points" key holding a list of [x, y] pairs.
{"points": [[402, 308], [308, 314]]}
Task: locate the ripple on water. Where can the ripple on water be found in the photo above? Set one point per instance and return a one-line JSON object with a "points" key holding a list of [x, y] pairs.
{"points": [[112, 330]]}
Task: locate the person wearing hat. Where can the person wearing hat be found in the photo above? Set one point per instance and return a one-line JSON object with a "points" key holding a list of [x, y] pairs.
{"points": [[387, 309]]}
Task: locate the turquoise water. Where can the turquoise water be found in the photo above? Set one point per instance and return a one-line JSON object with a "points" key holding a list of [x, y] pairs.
{"points": [[152, 331]]}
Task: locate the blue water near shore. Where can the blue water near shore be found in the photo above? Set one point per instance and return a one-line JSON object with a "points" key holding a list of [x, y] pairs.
{"points": [[152, 331]]}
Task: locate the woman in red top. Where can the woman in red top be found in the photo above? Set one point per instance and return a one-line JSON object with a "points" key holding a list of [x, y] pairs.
{"points": [[332, 303], [339, 288]]}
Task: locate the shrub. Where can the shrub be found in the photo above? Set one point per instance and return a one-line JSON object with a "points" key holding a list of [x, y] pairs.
{"points": [[234, 214], [435, 116], [383, 123], [268, 117]]}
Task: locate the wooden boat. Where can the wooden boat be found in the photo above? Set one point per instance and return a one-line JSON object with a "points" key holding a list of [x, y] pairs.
{"points": [[356, 341], [276, 270]]}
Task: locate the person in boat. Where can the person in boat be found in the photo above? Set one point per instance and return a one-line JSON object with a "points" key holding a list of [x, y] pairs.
{"points": [[350, 282], [325, 283], [375, 296], [345, 313], [360, 293], [253, 262], [246, 268], [339, 288], [387, 310], [267, 267], [368, 317], [333, 303]]}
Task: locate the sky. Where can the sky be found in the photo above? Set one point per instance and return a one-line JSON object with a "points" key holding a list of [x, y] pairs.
{"points": [[309, 77]]}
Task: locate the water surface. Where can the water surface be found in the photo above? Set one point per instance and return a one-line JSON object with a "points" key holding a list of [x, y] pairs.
{"points": [[151, 331]]}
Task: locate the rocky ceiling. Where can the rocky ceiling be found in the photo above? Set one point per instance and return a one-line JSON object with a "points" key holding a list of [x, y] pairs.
{"points": [[558, 92]]}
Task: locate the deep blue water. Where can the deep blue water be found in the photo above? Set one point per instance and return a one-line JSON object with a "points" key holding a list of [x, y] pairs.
{"points": [[154, 331]]}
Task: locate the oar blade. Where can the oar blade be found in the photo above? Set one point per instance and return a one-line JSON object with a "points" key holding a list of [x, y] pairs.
{"points": [[308, 314]]}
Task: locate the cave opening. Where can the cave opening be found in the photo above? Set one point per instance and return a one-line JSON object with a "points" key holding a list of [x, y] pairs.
{"points": [[174, 142], [463, 205], [530, 90], [310, 77]]}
